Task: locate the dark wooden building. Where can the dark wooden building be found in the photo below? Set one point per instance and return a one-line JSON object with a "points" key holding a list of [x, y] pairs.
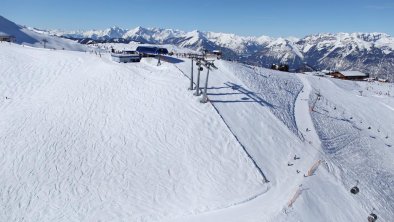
{"points": [[349, 75]]}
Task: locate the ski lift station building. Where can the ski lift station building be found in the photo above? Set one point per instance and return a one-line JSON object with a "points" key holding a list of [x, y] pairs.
{"points": [[149, 51], [126, 56]]}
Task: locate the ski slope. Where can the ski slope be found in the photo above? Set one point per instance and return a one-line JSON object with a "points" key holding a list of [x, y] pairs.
{"points": [[261, 112], [355, 121], [87, 139], [269, 111]]}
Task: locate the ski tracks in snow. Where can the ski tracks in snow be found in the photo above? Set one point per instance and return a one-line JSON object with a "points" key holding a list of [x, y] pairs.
{"points": [[88, 139], [302, 115]]}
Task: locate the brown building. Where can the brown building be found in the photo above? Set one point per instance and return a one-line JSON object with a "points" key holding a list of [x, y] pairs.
{"points": [[349, 75]]}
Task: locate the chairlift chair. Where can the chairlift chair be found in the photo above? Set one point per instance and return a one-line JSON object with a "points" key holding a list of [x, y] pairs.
{"points": [[372, 217], [355, 189]]}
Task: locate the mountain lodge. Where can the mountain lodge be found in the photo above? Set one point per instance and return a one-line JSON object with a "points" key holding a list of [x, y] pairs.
{"points": [[349, 75]]}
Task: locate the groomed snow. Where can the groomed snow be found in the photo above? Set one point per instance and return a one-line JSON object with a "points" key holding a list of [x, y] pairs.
{"points": [[87, 139], [252, 101], [355, 123]]}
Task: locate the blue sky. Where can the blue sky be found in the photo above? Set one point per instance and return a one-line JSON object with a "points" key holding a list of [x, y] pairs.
{"points": [[244, 17]]}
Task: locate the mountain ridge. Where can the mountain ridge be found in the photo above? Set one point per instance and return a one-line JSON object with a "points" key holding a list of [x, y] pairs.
{"points": [[372, 53], [118, 32]]}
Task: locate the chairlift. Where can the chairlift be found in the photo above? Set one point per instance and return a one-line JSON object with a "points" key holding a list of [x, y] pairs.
{"points": [[213, 66], [372, 217], [355, 189], [205, 62]]}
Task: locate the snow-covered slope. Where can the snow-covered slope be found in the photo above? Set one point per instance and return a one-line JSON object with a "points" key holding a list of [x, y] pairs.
{"points": [[246, 96], [355, 121], [87, 139], [36, 38]]}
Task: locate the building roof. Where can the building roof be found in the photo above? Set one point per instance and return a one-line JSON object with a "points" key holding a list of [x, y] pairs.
{"points": [[129, 52], [151, 50], [316, 73], [353, 74], [124, 55]]}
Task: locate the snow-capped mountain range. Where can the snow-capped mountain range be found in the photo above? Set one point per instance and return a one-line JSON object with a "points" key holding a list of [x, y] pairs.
{"points": [[369, 52]]}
